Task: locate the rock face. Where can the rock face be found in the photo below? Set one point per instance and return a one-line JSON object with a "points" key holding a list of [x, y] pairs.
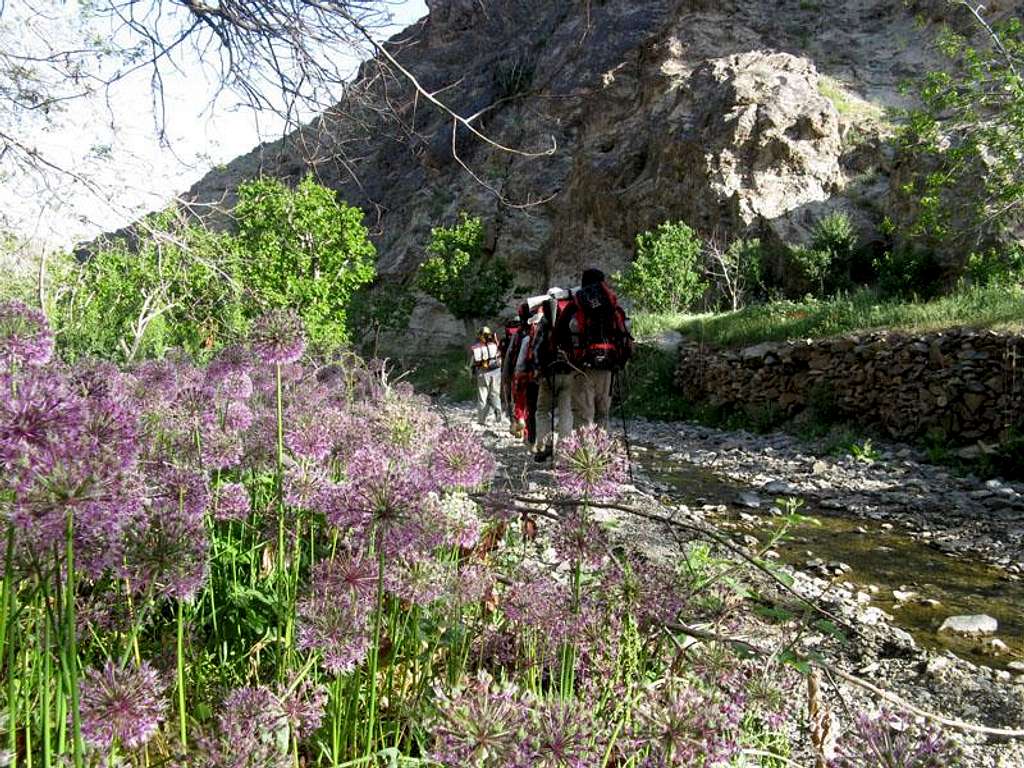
{"points": [[960, 384], [753, 116]]}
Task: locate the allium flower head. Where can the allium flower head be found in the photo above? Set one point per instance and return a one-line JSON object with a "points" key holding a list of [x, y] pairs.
{"points": [[278, 337], [887, 739], [461, 520], [561, 734], [460, 460], [682, 725], [237, 417], [122, 705], [231, 502], [590, 465], [252, 730], [25, 337], [481, 724], [334, 615], [304, 708]]}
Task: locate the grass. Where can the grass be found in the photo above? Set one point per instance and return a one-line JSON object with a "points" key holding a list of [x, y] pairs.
{"points": [[446, 374], [997, 307]]}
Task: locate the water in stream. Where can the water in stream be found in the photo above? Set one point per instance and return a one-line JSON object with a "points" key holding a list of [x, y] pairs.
{"points": [[890, 559]]}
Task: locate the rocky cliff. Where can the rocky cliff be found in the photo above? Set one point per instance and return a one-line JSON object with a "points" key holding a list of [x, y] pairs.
{"points": [[737, 116]]}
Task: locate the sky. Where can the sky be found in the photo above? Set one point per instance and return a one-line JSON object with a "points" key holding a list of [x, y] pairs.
{"points": [[116, 142]]}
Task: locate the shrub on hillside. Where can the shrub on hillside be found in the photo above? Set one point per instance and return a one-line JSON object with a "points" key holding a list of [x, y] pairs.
{"points": [[666, 275], [996, 266], [909, 272], [459, 274], [302, 249]]}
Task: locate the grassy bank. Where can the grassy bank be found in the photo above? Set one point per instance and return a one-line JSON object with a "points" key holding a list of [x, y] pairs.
{"points": [[998, 307]]}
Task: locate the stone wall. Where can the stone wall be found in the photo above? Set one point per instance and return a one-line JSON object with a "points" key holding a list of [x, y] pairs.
{"points": [[963, 384]]}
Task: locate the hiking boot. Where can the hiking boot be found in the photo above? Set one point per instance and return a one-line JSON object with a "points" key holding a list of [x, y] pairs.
{"points": [[542, 455]]}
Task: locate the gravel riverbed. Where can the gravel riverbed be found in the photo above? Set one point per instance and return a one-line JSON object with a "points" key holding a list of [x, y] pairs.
{"points": [[731, 483]]}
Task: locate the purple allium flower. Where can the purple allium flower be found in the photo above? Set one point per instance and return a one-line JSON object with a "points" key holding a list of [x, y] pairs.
{"points": [[305, 484], [237, 417], [167, 552], [231, 502], [419, 580], [386, 497], [461, 521], [308, 435], [39, 418], [460, 460], [590, 465], [578, 539], [278, 337], [25, 337], [561, 734], [539, 602], [157, 380], [349, 576], [681, 725], [480, 724], [888, 739], [334, 616], [236, 385], [186, 489], [122, 705], [472, 584], [304, 708], [252, 732], [219, 449]]}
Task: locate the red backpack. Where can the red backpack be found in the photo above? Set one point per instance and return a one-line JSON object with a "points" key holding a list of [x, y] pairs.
{"points": [[599, 335]]}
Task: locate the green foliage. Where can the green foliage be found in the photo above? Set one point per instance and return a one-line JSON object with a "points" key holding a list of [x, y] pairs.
{"points": [[909, 272], [825, 264], [665, 276], [737, 272], [996, 266], [459, 275], [380, 308], [445, 374], [865, 452], [177, 287], [966, 139], [302, 249], [997, 306]]}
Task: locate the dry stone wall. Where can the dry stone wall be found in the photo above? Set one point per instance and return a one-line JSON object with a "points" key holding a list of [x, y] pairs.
{"points": [[965, 385]]}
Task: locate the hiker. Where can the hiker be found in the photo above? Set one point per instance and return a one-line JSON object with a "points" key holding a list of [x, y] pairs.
{"points": [[524, 377], [485, 363], [508, 348], [555, 379], [593, 334]]}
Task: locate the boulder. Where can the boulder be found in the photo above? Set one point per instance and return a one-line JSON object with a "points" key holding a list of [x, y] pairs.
{"points": [[970, 626]]}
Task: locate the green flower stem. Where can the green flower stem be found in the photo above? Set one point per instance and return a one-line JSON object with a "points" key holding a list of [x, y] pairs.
{"points": [[71, 642], [182, 733]]}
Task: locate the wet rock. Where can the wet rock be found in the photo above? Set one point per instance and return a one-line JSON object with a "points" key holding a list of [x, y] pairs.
{"points": [[749, 500], [970, 626]]}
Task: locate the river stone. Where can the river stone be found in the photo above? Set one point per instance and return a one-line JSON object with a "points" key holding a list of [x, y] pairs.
{"points": [[936, 665], [995, 647], [903, 597], [977, 624], [749, 500]]}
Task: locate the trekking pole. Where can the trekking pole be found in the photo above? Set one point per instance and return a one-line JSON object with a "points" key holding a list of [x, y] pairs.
{"points": [[617, 378]]}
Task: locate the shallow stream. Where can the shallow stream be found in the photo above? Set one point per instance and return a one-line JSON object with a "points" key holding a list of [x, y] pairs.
{"points": [[881, 558]]}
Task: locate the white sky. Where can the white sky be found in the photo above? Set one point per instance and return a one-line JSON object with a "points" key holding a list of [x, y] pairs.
{"points": [[143, 174]]}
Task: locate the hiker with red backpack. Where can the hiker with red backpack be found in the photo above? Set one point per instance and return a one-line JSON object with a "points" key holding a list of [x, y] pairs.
{"points": [[593, 336]]}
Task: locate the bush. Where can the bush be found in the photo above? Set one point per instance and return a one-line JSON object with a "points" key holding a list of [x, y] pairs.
{"points": [[179, 287], [737, 272], [302, 249], [996, 266], [459, 274], [666, 274], [909, 272]]}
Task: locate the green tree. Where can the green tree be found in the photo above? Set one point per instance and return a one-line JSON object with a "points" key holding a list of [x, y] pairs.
{"points": [[967, 139], [459, 274], [303, 249], [176, 286], [666, 274]]}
